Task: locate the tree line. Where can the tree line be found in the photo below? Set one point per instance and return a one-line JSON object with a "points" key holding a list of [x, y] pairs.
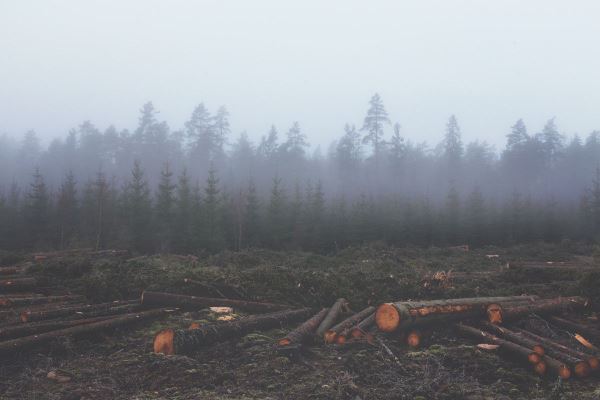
{"points": [[189, 190]]}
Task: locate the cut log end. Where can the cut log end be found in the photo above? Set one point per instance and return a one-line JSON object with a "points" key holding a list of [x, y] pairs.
{"points": [[582, 369], [284, 342], [194, 325], [539, 349], [540, 368], [534, 358], [357, 333], [494, 313], [564, 372], [387, 317], [593, 362], [163, 342], [413, 339], [24, 317], [329, 336], [340, 339]]}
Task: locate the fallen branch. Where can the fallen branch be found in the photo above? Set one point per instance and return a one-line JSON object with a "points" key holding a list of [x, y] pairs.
{"points": [[17, 284], [498, 313], [85, 311], [20, 330], [181, 341], [30, 301]]}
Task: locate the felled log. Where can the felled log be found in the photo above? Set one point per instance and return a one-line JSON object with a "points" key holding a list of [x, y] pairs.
{"points": [[304, 331], [10, 313], [361, 329], [32, 341], [331, 334], [34, 328], [551, 265], [390, 316], [85, 311], [578, 365], [516, 350], [181, 341], [516, 338], [29, 301], [592, 360], [160, 299], [588, 331], [331, 316], [17, 284], [498, 313]]}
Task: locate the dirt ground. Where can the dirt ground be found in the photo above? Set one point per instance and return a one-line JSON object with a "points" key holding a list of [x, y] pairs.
{"points": [[121, 365]]}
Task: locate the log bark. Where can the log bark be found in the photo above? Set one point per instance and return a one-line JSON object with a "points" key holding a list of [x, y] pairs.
{"points": [[160, 299], [588, 331], [10, 270], [30, 342], [522, 353], [20, 330], [30, 301], [390, 316], [516, 338], [498, 313], [181, 341], [7, 285], [332, 333], [304, 331], [362, 328], [86, 311], [578, 365], [592, 360], [331, 316]]}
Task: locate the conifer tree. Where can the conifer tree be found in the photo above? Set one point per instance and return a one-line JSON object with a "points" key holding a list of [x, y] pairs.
{"points": [[276, 215], [138, 210], [37, 211], [252, 216], [373, 124], [184, 216], [212, 214], [67, 211], [164, 209]]}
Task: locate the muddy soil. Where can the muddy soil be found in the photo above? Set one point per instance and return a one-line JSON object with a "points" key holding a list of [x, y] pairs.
{"points": [[121, 365]]}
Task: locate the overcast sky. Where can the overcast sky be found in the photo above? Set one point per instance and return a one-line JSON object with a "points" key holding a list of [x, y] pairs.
{"points": [[318, 62]]}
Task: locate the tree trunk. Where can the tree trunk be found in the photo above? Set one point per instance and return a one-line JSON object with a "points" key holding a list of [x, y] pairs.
{"points": [[161, 299], [181, 341], [17, 284], [331, 317], [390, 316], [20, 330], [497, 313], [30, 301], [518, 351], [86, 311], [331, 334], [29, 342], [304, 331], [592, 360], [361, 329]]}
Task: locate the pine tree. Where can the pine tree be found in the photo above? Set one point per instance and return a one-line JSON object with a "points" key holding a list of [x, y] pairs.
{"points": [[252, 216], [397, 150], [184, 216], [517, 137], [37, 211], [138, 210], [213, 236], [373, 124], [67, 210], [475, 214], [276, 216], [552, 139], [453, 147], [296, 141], [164, 209]]}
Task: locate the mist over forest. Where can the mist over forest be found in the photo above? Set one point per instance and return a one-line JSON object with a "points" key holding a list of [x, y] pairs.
{"points": [[202, 186]]}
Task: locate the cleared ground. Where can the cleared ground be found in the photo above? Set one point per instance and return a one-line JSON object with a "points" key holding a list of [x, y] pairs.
{"points": [[120, 365]]}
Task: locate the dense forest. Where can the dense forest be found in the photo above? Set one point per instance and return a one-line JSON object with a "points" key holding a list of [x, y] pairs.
{"points": [[197, 189]]}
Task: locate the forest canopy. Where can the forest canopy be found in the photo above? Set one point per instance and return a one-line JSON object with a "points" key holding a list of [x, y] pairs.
{"points": [[200, 188]]}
